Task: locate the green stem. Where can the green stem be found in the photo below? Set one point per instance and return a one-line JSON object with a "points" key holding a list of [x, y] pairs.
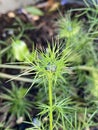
{"points": [[85, 68], [17, 78], [50, 102], [9, 66]]}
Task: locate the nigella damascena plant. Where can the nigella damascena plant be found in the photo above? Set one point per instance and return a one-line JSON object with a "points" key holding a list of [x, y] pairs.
{"points": [[68, 28]]}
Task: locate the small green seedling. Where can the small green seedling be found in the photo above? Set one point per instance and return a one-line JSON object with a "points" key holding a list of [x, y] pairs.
{"points": [[14, 99]]}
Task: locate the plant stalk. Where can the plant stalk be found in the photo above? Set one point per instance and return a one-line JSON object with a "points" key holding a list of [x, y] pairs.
{"points": [[17, 78], [50, 101]]}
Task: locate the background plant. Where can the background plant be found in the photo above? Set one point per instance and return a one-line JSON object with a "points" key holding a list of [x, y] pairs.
{"points": [[14, 100]]}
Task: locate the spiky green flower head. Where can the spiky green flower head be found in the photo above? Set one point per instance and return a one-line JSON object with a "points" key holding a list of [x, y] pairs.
{"points": [[68, 28], [52, 63]]}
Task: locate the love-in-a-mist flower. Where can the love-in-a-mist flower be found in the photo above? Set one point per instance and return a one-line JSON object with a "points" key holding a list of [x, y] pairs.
{"points": [[52, 62], [68, 28]]}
